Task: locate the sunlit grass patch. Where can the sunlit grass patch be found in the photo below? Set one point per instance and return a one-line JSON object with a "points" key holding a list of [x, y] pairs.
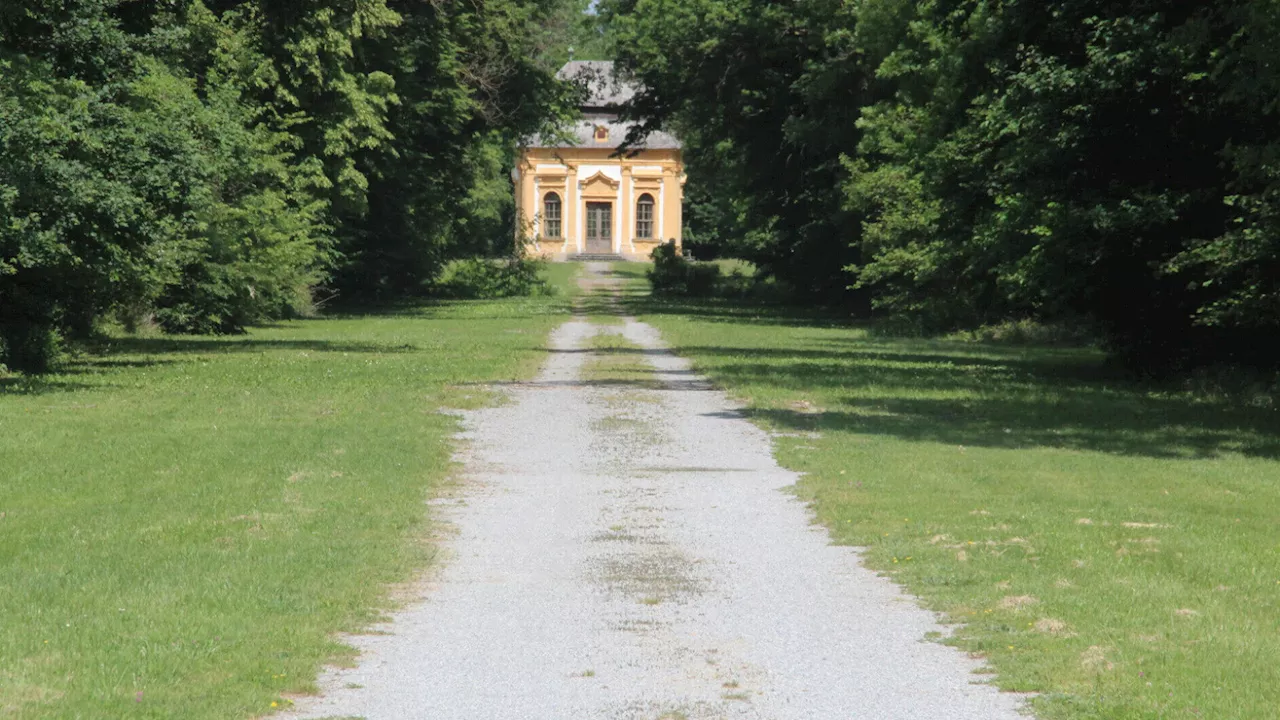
{"points": [[187, 522]]}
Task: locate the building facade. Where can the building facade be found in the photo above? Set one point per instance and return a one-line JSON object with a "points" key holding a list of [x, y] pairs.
{"points": [[580, 196]]}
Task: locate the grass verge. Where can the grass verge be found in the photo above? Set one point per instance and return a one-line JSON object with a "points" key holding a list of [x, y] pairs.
{"points": [[1108, 545], [614, 360], [186, 522]]}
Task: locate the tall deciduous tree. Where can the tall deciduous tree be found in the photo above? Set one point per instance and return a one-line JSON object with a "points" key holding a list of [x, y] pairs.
{"points": [[968, 161], [765, 97], [1093, 159], [210, 162]]}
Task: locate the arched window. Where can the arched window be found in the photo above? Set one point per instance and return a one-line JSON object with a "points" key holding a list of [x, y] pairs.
{"points": [[551, 215], [644, 216]]}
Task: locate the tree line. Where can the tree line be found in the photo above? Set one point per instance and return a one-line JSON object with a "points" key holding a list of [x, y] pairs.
{"points": [[208, 164], [937, 164], [942, 164]]}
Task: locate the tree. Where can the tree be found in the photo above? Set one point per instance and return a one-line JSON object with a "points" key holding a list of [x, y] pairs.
{"points": [[1072, 159], [473, 84], [961, 162], [765, 97], [211, 162]]}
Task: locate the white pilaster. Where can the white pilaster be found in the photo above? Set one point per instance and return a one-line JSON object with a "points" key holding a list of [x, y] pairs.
{"points": [[539, 205], [661, 210], [581, 205], [616, 240], [631, 211]]}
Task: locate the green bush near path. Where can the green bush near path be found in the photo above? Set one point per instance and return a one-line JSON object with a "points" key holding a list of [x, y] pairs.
{"points": [[486, 279], [672, 274], [186, 522], [1109, 545]]}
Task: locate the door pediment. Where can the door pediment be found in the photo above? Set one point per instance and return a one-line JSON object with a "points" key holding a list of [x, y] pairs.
{"points": [[600, 185]]}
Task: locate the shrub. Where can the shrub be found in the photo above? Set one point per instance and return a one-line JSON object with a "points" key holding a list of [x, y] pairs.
{"points": [[1234, 384], [32, 348], [1030, 332], [481, 278], [671, 274], [165, 192]]}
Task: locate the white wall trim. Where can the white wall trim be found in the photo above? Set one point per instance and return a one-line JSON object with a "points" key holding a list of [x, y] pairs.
{"points": [[539, 204], [581, 205], [613, 172], [661, 210], [631, 208], [615, 242]]}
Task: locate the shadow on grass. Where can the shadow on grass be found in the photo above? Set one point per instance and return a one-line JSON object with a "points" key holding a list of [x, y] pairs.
{"points": [[1013, 425], [1003, 404], [435, 310], [753, 312], [596, 304], [426, 307], [98, 363], [693, 384], [642, 352], [19, 385], [104, 356], [972, 394], [223, 345]]}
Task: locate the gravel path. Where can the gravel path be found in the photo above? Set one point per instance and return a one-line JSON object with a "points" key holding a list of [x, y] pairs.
{"points": [[630, 553]]}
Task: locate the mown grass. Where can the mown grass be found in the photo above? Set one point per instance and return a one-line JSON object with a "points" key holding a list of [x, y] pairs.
{"points": [[1109, 545], [598, 301], [186, 522], [616, 360]]}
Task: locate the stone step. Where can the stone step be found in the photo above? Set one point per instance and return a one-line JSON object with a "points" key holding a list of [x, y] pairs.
{"points": [[596, 257]]}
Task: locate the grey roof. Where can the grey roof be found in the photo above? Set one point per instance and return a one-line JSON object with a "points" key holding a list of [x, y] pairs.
{"points": [[583, 135], [606, 87], [607, 92]]}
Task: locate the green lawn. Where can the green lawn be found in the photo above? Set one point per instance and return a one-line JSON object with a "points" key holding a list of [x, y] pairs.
{"points": [[1111, 546], [186, 522]]}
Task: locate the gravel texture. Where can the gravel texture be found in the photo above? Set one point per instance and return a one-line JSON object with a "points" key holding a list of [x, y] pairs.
{"points": [[631, 553]]}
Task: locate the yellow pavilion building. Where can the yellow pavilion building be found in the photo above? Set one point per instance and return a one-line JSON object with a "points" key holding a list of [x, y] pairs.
{"points": [[581, 199]]}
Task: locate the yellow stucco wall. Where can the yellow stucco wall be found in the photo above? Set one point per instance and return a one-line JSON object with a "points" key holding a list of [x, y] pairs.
{"points": [[579, 175]]}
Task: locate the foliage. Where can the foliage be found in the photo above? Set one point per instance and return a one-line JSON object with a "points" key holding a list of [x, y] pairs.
{"points": [[576, 30], [481, 278], [718, 217], [1088, 162], [672, 274], [477, 84], [1029, 333], [88, 202], [1024, 165], [211, 163], [765, 98], [259, 240]]}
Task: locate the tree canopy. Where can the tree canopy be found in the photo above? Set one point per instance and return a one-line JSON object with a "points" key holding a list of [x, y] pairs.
{"points": [[938, 164], [949, 163], [212, 163]]}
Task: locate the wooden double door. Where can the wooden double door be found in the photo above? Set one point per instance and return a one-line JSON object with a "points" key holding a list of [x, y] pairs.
{"points": [[599, 227]]}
